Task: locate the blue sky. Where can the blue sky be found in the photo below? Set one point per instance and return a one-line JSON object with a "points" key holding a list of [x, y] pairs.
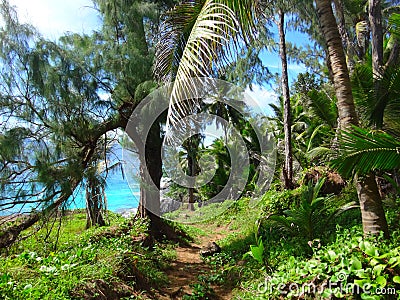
{"points": [[55, 17], [264, 94]]}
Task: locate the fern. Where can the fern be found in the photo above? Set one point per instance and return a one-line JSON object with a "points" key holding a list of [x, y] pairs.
{"points": [[311, 218]]}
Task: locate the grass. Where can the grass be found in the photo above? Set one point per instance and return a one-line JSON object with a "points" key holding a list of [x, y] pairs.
{"points": [[204, 213], [37, 268], [83, 261]]}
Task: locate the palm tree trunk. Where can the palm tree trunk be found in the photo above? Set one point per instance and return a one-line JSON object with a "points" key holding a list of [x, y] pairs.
{"points": [[288, 167], [372, 213], [348, 45], [341, 79]]}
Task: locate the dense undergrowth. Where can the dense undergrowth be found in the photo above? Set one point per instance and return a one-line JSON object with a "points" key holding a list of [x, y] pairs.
{"points": [[262, 257], [112, 261]]}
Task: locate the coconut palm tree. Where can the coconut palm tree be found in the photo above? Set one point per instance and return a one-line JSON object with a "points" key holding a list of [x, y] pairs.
{"points": [[197, 38], [364, 150], [373, 217], [195, 41]]}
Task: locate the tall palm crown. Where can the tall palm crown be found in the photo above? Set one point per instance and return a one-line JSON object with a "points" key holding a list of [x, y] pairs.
{"points": [[197, 38]]}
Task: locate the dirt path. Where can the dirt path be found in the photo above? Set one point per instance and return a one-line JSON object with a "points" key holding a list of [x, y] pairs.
{"points": [[188, 265]]}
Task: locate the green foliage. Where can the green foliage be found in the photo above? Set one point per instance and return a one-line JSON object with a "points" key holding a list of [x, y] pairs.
{"points": [[394, 23], [312, 218], [192, 35], [348, 262], [201, 213], [61, 101], [306, 220], [323, 107], [37, 271], [201, 291], [363, 151], [257, 250], [377, 100], [278, 202]]}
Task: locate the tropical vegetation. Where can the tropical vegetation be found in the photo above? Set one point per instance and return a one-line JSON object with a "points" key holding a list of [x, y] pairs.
{"points": [[328, 227]]}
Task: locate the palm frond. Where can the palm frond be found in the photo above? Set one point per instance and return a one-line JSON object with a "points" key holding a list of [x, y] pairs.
{"points": [[389, 97], [322, 152], [323, 107], [394, 23], [197, 38], [277, 110], [283, 224], [362, 151], [174, 33], [363, 91], [377, 102]]}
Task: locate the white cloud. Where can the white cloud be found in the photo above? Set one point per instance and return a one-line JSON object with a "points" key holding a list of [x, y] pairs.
{"points": [[295, 68], [262, 97], [53, 18]]}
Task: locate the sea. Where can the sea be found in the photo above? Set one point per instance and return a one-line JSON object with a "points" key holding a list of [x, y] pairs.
{"points": [[122, 197], [122, 187]]}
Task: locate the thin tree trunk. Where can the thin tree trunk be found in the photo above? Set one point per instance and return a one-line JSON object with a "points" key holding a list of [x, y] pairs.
{"points": [[191, 199], [288, 167], [375, 23], [348, 46], [373, 217], [94, 204], [191, 163]]}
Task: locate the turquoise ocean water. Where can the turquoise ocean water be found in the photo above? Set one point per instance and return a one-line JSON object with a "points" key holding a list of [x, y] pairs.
{"points": [[120, 196]]}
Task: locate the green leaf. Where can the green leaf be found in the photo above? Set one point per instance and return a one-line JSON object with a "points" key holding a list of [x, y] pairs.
{"points": [[257, 252], [362, 282], [362, 274], [332, 255], [355, 264], [374, 262], [369, 249], [381, 281], [369, 297], [396, 279], [378, 269], [327, 293]]}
